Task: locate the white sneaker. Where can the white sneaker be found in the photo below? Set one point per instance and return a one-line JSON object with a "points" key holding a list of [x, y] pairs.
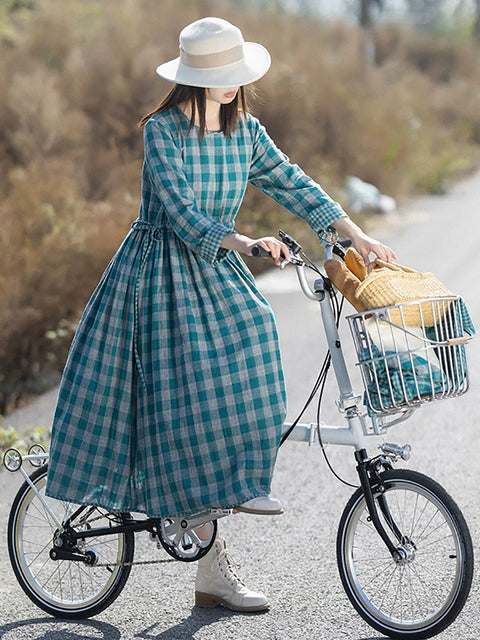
{"points": [[217, 582], [263, 505]]}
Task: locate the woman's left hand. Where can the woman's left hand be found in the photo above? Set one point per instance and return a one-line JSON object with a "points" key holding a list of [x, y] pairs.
{"points": [[363, 243]]}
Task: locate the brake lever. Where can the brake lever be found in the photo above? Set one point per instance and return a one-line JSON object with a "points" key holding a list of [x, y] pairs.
{"points": [[291, 243], [341, 246]]}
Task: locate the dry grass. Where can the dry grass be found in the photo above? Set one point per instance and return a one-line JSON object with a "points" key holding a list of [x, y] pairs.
{"points": [[75, 77]]}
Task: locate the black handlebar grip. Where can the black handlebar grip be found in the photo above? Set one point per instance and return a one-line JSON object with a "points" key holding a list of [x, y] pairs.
{"points": [[260, 252]]}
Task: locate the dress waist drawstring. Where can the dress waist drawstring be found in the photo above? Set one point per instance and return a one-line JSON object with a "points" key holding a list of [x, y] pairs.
{"points": [[155, 230], [155, 235]]}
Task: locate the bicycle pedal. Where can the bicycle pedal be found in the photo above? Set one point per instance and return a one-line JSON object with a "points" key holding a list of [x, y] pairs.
{"points": [[187, 542]]}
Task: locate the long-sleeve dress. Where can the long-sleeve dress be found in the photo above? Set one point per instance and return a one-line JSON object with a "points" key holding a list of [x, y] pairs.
{"points": [[172, 399]]}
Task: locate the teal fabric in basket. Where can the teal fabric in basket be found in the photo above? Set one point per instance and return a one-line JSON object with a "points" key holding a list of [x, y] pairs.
{"points": [[400, 379]]}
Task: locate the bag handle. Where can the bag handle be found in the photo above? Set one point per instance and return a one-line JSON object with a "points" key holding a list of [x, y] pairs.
{"points": [[393, 266]]}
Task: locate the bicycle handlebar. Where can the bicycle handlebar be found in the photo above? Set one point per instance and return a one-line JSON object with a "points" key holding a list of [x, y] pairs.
{"points": [[328, 239]]}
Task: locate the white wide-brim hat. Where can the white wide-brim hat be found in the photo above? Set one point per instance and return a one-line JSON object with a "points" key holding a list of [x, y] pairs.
{"points": [[213, 54]]}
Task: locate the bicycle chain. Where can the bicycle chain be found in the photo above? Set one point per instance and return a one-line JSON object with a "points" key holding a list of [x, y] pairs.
{"points": [[130, 564]]}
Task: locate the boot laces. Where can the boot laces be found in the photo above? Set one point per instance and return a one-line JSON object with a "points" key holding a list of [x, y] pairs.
{"points": [[228, 567]]}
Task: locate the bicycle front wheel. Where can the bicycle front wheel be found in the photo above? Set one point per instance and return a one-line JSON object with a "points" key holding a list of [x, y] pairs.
{"points": [[420, 593], [66, 588]]}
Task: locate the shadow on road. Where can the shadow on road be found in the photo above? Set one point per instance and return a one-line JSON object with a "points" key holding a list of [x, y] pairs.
{"points": [[57, 629], [54, 629], [198, 619], [202, 618]]}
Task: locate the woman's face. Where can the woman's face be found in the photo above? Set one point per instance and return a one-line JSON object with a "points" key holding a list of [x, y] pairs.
{"points": [[222, 96]]}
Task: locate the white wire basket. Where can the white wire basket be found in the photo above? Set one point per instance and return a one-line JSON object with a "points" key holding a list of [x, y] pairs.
{"points": [[404, 366]]}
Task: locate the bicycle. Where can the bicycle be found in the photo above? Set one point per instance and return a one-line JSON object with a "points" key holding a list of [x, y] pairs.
{"points": [[404, 551]]}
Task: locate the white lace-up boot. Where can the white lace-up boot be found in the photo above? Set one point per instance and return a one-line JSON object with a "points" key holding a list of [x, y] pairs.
{"points": [[217, 582]]}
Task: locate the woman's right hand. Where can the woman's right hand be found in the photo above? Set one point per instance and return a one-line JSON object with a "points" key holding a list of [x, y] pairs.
{"points": [[243, 244], [278, 251]]}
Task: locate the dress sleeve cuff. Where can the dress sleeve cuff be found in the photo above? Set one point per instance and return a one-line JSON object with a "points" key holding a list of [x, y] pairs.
{"points": [[210, 250], [323, 217]]}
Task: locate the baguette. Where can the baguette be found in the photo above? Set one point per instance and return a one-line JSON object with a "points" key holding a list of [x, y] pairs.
{"points": [[345, 281], [355, 263]]}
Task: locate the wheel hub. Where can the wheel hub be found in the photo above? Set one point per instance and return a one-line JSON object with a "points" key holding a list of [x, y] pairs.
{"points": [[405, 554]]}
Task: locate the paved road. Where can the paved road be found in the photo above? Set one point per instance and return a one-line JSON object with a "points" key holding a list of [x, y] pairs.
{"points": [[292, 558]]}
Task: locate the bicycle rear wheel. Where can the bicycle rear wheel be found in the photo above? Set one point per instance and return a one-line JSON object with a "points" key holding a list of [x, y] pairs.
{"points": [[66, 588], [421, 593]]}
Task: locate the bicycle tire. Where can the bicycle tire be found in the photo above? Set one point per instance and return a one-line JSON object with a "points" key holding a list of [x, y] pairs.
{"points": [[65, 588], [421, 595]]}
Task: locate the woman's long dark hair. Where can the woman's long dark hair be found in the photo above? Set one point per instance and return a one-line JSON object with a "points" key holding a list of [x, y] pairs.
{"points": [[195, 97]]}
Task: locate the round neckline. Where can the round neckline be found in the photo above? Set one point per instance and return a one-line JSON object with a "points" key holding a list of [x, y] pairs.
{"points": [[195, 126]]}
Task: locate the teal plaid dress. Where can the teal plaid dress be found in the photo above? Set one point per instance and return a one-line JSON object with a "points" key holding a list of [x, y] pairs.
{"points": [[172, 399]]}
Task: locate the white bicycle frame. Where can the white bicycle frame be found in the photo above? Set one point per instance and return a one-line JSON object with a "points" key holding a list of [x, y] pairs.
{"points": [[354, 433]]}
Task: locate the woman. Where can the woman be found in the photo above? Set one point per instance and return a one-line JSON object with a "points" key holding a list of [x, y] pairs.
{"points": [[172, 399]]}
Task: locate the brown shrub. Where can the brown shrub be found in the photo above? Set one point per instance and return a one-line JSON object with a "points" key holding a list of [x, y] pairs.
{"points": [[76, 76]]}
